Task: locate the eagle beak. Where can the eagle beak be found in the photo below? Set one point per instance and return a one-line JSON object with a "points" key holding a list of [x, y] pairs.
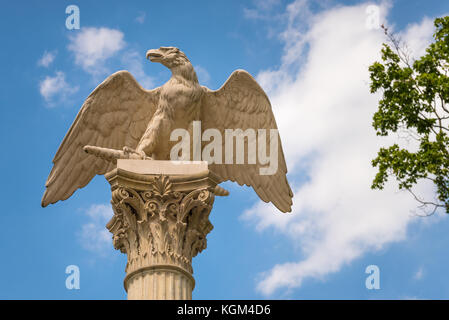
{"points": [[154, 55]]}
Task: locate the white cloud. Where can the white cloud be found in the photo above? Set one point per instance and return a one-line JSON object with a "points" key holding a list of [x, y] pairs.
{"points": [[134, 63], [324, 113], [93, 46], [418, 35], [47, 59], [93, 235], [55, 89], [419, 274], [141, 17], [261, 9], [202, 74]]}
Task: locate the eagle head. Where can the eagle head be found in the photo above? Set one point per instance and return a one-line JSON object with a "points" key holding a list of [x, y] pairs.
{"points": [[169, 56]]}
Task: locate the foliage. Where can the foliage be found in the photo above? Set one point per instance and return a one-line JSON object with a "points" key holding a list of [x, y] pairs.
{"points": [[415, 96]]}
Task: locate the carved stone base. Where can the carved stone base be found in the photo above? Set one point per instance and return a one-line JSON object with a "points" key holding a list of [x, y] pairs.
{"points": [[161, 220]]}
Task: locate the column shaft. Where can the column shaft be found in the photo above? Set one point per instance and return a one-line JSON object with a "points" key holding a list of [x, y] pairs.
{"points": [[159, 283]]}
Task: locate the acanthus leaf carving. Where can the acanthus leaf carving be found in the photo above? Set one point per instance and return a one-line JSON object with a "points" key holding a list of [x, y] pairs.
{"points": [[160, 225]]}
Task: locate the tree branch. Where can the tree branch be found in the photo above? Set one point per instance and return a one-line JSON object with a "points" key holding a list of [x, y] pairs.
{"points": [[425, 204]]}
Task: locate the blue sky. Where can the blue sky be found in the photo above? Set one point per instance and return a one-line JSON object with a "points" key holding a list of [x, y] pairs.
{"points": [[311, 58]]}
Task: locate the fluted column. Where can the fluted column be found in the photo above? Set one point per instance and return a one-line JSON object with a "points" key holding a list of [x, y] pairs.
{"points": [[161, 222]]}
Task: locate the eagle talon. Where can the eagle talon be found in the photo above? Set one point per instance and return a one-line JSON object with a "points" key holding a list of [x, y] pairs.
{"points": [[128, 150], [134, 154], [143, 155]]}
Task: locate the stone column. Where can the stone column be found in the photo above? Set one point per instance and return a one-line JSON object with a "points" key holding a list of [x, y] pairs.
{"points": [[161, 220]]}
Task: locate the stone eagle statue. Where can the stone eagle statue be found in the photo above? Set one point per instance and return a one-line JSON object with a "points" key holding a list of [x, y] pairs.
{"points": [[119, 114]]}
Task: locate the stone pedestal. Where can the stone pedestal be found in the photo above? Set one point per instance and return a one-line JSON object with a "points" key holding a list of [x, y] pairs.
{"points": [[161, 220]]}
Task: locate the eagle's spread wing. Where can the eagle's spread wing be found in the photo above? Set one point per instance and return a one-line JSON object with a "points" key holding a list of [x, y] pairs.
{"points": [[242, 104], [114, 115]]}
